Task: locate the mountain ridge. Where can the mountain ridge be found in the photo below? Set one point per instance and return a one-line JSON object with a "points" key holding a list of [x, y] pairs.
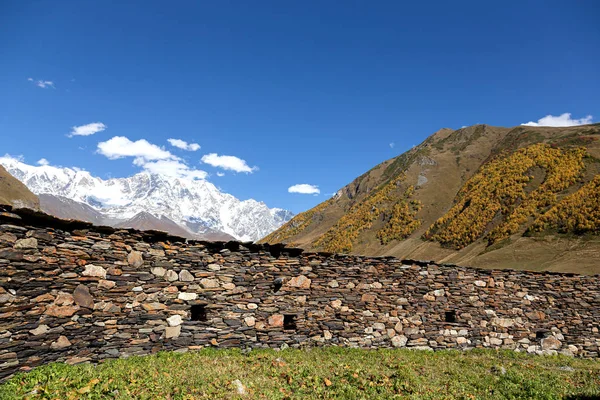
{"points": [[388, 209], [196, 206]]}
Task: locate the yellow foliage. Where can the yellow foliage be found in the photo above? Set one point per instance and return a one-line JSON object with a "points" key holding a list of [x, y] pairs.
{"points": [[296, 225], [499, 189], [577, 213], [402, 221], [341, 237]]}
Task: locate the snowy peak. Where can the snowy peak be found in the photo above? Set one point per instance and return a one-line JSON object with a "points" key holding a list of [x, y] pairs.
{"points": [[196, 206]]}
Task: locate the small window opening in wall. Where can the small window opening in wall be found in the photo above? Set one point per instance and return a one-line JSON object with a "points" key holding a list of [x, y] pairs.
{"points": [[277, 284], [198, 312], [289, 322], [541, 334], [450, 316]]}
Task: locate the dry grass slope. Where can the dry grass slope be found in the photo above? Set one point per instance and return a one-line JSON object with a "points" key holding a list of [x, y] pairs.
{"points": [[480, 193]]}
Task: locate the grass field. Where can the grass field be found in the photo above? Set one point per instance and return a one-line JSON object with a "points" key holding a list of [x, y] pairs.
{"points": [[316, 374]]}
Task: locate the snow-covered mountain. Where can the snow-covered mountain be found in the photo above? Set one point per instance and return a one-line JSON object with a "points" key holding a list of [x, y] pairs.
{"points": [[195, 205]]}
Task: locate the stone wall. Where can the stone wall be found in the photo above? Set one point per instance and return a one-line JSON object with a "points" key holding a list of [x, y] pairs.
{"points": [[73, 292]]}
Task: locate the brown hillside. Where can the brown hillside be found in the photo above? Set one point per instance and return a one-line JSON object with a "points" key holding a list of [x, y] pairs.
{"points": [[482, 196], [14, 193]]}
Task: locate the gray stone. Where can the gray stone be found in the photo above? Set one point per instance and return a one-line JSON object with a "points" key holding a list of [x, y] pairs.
{"points": [[185, 276], [550, 343], [28, 243], [40, 330], [82, 297]]}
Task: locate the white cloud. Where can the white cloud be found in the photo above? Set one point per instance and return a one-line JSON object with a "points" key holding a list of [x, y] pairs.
{"points": [[173, 168], [87, 130], [561, 120], [183, 145], [220, 174], [120, 146], [43, 161], [231, 163], [392, 145], [149, 157], [41, 83], [304, 188]]}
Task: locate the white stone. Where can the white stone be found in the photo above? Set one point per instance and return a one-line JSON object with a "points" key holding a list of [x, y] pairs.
{"points": [[378, 326], [333, 284], [252, 306], [480, 283], [171, 276], [399, 341], [158, 271], [175, 320], [250, 321], [327, 335], [187, 296], [94, 270], [214, 267], [439, 292]]}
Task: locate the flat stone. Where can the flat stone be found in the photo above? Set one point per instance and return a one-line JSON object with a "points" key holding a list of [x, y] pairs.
{"points": [[172, 331], [28, 243], [82, 297], [333, 284], [95, 271], [214, 267], [40, 330], [60, 343], [185, 276], [301, 282], [104, 284], [368, 298], [276, 320], [61, 311], [207, 283], [503, 322], [252, 306], [480, 283], [154, 306], [250, 321], [135, 259], [187, 296]]}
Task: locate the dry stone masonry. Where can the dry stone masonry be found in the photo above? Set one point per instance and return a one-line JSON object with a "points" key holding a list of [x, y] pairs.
{"points": [[73, 292]]}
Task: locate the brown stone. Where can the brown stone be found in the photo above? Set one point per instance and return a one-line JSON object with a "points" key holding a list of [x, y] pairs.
{"points": [[368, 298], [60, 343], [135, 259], [61, 311], [301, 282], [551, 343], [104, 284], [276, 320], [154, 306], [209, 283], [83, 297]]}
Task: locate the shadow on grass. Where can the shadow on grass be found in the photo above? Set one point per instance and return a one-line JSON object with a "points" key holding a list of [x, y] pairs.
{"points": [[582, 397]]}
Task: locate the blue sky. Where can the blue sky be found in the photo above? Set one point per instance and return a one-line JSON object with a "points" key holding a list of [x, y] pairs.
{"points": [[307, 92]]}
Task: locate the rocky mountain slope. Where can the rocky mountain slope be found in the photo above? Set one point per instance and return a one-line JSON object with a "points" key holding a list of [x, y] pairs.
{"points": [[14, 193], [523, 197], [196, 207]]}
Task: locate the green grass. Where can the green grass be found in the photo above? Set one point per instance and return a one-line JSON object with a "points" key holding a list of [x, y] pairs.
{"points": [[323, 373]]}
